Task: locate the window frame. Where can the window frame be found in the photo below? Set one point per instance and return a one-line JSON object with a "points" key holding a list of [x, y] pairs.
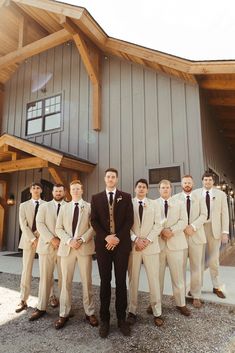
{"points": [[43, 116]]}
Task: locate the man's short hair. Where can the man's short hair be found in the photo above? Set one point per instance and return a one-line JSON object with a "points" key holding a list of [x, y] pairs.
{"points": [[113, 170], [165, 181], [76, 182], [142, 181], [36, 183], [207, 174], [58, 186], [187, 176]]}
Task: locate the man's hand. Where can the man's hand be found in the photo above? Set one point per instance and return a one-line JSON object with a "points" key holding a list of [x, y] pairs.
{"points": [[55, 242], [75, 244], [34, 243], [189, 230], [166, 233], [112, 241], [224, 238], [141, 244]]}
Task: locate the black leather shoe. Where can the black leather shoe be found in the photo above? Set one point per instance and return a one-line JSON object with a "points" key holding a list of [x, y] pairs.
{"points": [[131, 319], [37, 314], [22, 306], [104, 329], [124, 327]]}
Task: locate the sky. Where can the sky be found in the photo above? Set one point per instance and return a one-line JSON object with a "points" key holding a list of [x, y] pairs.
{"points": [[195, 30]]}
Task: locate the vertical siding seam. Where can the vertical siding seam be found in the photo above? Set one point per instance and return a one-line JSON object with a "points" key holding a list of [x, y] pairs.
{"points": [[79, 101], [70, 102], [171, 125], [144, 117], [120, 123], [132, 129], [157, 117], [108, 120], [186, 130], [22, 101]]}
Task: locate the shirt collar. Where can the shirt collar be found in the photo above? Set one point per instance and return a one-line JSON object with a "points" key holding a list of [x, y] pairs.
{"points": [[204, 191], [185, 195], [163, 200], [36, 201], [143, 201], [113, 191], [79, 202]]}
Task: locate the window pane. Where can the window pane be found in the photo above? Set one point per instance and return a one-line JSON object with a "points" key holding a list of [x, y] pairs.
{"points": [[52, 122], [57, 99], [34, 126]]}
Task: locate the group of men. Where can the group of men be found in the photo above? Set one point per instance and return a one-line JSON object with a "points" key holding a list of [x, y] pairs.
{"points": [[124, 233]]}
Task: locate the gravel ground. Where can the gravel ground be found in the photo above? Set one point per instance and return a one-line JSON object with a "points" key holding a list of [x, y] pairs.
{"points": [[210, 329]]}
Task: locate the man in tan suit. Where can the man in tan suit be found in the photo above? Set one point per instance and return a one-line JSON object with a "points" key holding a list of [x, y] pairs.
{"points": [[195, 235], [173, 243], [216, 226], [145, 247], [76, 246], [29, 240], [47, 249]]}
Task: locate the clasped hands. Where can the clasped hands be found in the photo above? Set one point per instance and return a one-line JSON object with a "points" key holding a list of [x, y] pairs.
{"points": [[166, 233], [189, 230], [112, 241], [141, 244], [75, 243], [55, 242]]}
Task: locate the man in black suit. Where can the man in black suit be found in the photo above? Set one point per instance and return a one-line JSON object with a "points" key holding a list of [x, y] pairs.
{"points": [[112, 219]]}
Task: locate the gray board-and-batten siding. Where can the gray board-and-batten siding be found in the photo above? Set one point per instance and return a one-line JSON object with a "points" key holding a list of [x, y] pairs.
{"points": [[149, 120]]}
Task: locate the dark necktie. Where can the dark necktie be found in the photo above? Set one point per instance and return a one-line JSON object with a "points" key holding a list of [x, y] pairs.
{"points": [[35, 214], [141, 210], [208, 204], [165, 208], [188, 207], [58, 208], [111, 198], [75, 217]]}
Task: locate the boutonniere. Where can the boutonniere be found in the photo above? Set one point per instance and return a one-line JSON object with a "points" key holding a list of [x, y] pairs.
{"points": [[119, 199], [213, 198], [82, 208], [144, 205]]}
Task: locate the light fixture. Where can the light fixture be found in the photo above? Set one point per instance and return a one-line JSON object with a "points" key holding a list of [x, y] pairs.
{"points": [[11, 200]]}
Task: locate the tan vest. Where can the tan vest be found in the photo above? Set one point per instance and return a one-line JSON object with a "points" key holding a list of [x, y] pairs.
{"points": [[111, 218]]}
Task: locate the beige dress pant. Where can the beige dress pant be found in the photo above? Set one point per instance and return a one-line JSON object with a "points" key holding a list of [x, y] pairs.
{"points": [[195, 254], [47, 264], [26, 276], [151, 265], [212, 255], [175, 261], [68, 264]]}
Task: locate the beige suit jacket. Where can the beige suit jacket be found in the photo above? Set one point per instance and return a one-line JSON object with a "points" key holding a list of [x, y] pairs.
{"points": [[197, 217], [26, 216], [46, 222], [219, 215], [84, 229], [150, 227], [177, 220]]}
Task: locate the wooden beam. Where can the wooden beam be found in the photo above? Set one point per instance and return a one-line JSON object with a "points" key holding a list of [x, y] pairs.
{"points": [[59, 179], [1, 105], [208, 83], [22, 32], [31, 148], [54, 6], [222, 101], [80, 166], [91, 59], [34, 48], [23, 164]]}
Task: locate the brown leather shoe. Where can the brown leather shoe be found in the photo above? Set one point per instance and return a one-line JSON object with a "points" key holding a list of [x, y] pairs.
{"points": [[22, 306], [104, 329], [158, 320], [93, 321], [37, 314], [197, 303], [124, 327], [60, 322], [184, 310], [219, 293], [53, 301], [149, 310]]}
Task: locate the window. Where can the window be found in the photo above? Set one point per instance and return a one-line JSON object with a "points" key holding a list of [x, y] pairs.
{"points": [[44, 115], [170, 173]]}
